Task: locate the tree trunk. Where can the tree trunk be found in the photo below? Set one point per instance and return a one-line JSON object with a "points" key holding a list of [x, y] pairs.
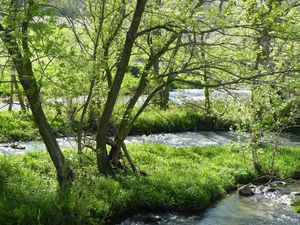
{"points": [[84, 110], [166, 91], [22, 62], [207, 96], [11, 97], [19, 92], [102, 129], [128, 157], [64, 172], [206, 89]]}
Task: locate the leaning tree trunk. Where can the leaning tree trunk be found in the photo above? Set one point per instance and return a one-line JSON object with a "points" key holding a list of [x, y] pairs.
{"points": [[17, 88], [102, 129], [23, 65], [64, 173], [11, 97], [166, 91], [19, 92]]}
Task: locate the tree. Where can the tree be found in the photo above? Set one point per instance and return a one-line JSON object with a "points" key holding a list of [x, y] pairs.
{"points": [[14, 30]]}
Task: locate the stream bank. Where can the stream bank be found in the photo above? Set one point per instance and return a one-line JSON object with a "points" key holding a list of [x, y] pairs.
{"points": [[184, 139], [260, 209], [178, 179]]}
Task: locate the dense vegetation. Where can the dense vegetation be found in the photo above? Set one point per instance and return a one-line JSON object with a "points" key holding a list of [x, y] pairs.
{"points": [[106, 68], [16, 126], [182, 179]]}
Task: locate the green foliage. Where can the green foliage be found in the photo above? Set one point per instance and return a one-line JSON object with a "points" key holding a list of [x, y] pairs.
{"points": [[177, 119], [287, 162], [16, 126], [20, 126], [177, 179], [297, 206]]}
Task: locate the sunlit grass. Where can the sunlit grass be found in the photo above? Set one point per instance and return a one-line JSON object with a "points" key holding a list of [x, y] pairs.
{"points": [[181, 179]]}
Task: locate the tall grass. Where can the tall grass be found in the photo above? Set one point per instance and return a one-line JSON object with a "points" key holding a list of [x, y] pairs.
{"points": [[177, 119], [15, 126], [183, 179]]}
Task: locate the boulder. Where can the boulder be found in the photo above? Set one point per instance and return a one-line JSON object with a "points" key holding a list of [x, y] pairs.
{"points": [[245, 190], [271, 189], [277, 183]]}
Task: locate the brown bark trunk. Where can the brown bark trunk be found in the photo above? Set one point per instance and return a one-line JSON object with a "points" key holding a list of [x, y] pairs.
{"points": [[11, 97], [19, 93], [84, 110], [126, 120], [166, 91], [20, 57], [64, 173], [206, 89], [102, 129], [128, 157]]}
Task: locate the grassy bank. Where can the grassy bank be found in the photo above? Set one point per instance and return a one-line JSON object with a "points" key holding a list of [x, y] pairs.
{"points": [[183, 179], [297, 206], [178, 119], [16, 126]]}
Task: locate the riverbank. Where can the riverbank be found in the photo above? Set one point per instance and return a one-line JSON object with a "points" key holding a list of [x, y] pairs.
{"points": [[17, 126], [297, 206], [179, 179]]}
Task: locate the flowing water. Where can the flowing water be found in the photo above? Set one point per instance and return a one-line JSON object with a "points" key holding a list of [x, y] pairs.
{"points": [[260, 209], [183, 139], [181, 96], [178, 96]]}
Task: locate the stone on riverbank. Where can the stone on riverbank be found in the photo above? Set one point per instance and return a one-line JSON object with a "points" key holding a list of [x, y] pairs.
{"points": [[246, 191]]}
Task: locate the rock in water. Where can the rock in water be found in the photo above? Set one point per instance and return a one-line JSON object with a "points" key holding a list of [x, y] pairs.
{"points": [[295, 193], [245, 190], [150, 219], [17, 146]]}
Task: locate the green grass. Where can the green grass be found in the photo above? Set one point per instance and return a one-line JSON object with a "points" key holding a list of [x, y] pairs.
{"points": [[16, 126], [177, 119], [183, 179], [297, 206]]}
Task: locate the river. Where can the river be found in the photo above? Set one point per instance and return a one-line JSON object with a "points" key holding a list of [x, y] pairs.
{"points": [[231, 210], [178, 96], [260, 209], [183, 139]]}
